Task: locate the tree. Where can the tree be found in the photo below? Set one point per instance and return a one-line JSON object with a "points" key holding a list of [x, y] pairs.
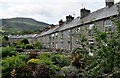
{"points": [[106, 51], [25, 41]]}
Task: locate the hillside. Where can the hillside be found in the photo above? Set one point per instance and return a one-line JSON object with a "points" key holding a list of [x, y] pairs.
{"points": [[21, 24]]}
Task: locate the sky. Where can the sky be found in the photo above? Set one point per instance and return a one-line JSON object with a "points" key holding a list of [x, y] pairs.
{"points": [[48, 11]]}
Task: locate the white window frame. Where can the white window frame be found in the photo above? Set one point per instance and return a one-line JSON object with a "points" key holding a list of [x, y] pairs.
{"points": [[108, 24], [91, 26], [56, 34], [68, 33], [53, 35]]}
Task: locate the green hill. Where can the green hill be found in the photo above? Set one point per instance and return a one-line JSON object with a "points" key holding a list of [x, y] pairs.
{"points": [[22, 24]]}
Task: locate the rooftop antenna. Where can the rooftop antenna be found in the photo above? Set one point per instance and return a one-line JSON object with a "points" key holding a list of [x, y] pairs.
{"points": [[83, 6], [74, 15]]}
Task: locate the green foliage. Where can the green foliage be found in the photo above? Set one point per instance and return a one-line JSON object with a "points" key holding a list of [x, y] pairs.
{"points": [[25, 72], [38, 45], [60, 60], [106, 53], [53, 69], [4, 41], [45, 58], [33, 61], [29, 46], [25, 41], [70, 71], [22, 57], [41, 71], [10, 63], [7, 51], [6, 38], [22, 25], [18, 46]]}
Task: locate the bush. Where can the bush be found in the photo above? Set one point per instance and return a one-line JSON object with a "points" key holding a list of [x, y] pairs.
{"points": [[70, 72], [25, 41], [41, 71], [116, 75], [45, 58], [33, 61], [7, 51], [38, 45], [10, 63], [29, 46], [53, 69], [60, 60], [19, 48], [22, 57], [25, 72]]}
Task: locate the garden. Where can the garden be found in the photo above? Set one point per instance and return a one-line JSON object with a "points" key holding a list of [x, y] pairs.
{"points": [[105, 62]]}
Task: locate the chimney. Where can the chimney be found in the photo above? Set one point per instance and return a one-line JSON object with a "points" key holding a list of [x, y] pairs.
{"points": [[109, 3], [69, 18], [84, 12], [61, 22]]}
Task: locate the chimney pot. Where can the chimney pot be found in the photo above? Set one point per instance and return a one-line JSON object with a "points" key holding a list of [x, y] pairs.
{"points": [[69, 18], [109, 3], [61, 22], [84, 12]]}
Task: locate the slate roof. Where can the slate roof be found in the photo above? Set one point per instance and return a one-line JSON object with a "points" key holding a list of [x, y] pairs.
{"points": [[23, 36], [20, 36], [14, 37], [94, 16], [49, 31]]}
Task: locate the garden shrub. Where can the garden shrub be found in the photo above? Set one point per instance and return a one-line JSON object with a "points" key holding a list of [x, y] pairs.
{"points": [[25, 72], [25, 41], [116, 75], [18, 46], [10, 63], [70, 72], [45, 58], [106, 52], [41, 71], [60, 60], [23, 57], [53, 69], [38, 45], [33, 61], [7, 51], [29, 46]]}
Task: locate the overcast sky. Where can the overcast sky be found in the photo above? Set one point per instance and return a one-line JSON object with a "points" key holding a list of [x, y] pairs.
{"points": [[49, 11]]}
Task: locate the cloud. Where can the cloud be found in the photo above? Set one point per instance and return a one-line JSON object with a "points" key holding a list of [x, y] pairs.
{"points": [[46, 10]]}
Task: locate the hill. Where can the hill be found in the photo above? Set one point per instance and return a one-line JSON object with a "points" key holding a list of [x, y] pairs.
{"points": [[22, 24]]}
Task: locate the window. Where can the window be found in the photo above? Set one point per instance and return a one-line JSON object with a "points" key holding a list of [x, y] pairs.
{"points": [[91, 31], [62, 35], [53, 35], [91, 26], [56, 45], [68, 33], [61, 45], [108, 25], [56, 34], [91, 42], [78, 30]]}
